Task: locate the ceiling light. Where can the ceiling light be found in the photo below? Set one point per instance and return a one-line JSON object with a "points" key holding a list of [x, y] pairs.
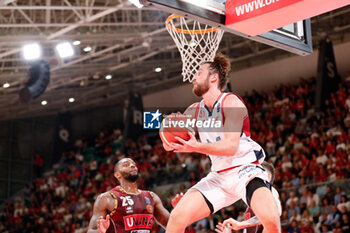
{"points": [[158, 69], [87, 49], [44, 102], [31, 51], [108, 76], [65, 49], [6, 2], [71, 100], [136, 3], [77, 42], [146, 44], [6, 85]]}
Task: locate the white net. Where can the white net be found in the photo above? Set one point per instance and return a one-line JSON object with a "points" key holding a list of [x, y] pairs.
{"points": [[196, 42]]}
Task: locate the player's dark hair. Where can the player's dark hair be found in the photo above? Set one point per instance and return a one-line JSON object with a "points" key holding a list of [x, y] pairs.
{"points": [[271, 169], [222, 66]]}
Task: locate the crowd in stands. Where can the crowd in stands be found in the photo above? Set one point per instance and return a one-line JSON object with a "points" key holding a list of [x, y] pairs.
{"points": [[310, 151]]}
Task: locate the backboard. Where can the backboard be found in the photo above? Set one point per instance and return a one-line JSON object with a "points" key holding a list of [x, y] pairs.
{"points": [[295, 38]]}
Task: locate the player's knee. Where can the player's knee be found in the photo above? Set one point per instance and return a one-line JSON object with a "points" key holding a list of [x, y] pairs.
{"points": [[271, 222], [178, 217], [273, 218]]}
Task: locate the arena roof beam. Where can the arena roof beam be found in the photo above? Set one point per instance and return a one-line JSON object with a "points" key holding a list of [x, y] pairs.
{"points": [[37, 25], [85, 20], [144, 57], [71, 27], [68, 8], [144, 35], [48, 12], [73, 9], [27, 18]]}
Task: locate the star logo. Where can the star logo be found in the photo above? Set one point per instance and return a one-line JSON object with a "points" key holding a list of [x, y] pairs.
{"points": [[155, 115], [151, 120]]}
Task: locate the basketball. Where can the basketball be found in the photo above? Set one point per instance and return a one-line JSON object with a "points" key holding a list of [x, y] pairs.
{"points": [[175, 126]]}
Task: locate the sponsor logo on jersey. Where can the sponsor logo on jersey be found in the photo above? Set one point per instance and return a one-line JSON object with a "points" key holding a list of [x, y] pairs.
{"points": [[149, 209], [140, 231], [148, 201], [247, 170], [129, 209], [138, 221]]}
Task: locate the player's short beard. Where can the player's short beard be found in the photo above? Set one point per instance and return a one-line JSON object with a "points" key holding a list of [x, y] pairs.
{"points": [[131, 177], [200, 90]]}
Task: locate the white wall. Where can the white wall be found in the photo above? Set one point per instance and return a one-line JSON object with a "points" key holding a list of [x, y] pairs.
{"points": [[263, 77]]}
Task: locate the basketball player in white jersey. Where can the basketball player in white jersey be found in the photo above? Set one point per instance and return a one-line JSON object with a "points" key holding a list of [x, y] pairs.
{"points": [[251, 223], [236, 172]]}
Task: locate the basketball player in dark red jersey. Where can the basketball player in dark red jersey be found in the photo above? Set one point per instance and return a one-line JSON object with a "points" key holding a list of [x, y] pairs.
{"points": [[236, 171], [251, 223], [125, 208]]}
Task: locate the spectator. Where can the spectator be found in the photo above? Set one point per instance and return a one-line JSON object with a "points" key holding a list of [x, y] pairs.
{"points": [[333, 217], [294, 228], [292, 206], [344, 223], [324, 229], [337, 196], [38, 165], [314, 209], [292, 198], [326, 208], [344, 203], [295, 216]]}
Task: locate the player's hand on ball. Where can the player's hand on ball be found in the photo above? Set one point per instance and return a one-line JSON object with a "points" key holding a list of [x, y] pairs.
{"points": [[176, 199], [103, 224], [168, 147], [186, 146]]}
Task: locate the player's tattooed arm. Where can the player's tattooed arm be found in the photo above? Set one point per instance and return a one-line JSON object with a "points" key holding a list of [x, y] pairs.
{"points": [[160, 213], [254, 221], [232, 224]]}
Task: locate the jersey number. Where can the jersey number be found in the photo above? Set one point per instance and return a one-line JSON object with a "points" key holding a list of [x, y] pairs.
{"points": [[127, 201]]}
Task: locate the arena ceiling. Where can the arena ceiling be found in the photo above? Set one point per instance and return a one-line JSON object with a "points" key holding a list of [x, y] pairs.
{"points": [[127, 42]]}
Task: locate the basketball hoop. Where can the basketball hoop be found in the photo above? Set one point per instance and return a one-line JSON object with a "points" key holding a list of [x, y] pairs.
{"points": [[197, 43]]}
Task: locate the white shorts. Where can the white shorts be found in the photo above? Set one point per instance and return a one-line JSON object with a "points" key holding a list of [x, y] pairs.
{"points": [[224, 189]]}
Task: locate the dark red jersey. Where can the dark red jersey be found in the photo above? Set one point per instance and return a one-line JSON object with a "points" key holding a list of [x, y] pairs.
{"points": [[132, 213], [256, 229]]}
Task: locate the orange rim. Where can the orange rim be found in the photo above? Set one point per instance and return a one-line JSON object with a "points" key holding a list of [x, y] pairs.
{"points": [[185, 31]]}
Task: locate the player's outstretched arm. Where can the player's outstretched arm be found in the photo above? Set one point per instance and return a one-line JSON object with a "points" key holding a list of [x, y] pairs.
{"points": [[99, 221], [160, 213], [235, 112]]}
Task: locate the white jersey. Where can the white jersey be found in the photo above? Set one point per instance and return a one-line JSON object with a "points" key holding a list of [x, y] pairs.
{"points": [[248, 150]]}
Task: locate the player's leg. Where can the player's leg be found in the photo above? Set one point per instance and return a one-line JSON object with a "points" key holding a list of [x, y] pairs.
{"points": [[260, 199], [191, 208]]}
